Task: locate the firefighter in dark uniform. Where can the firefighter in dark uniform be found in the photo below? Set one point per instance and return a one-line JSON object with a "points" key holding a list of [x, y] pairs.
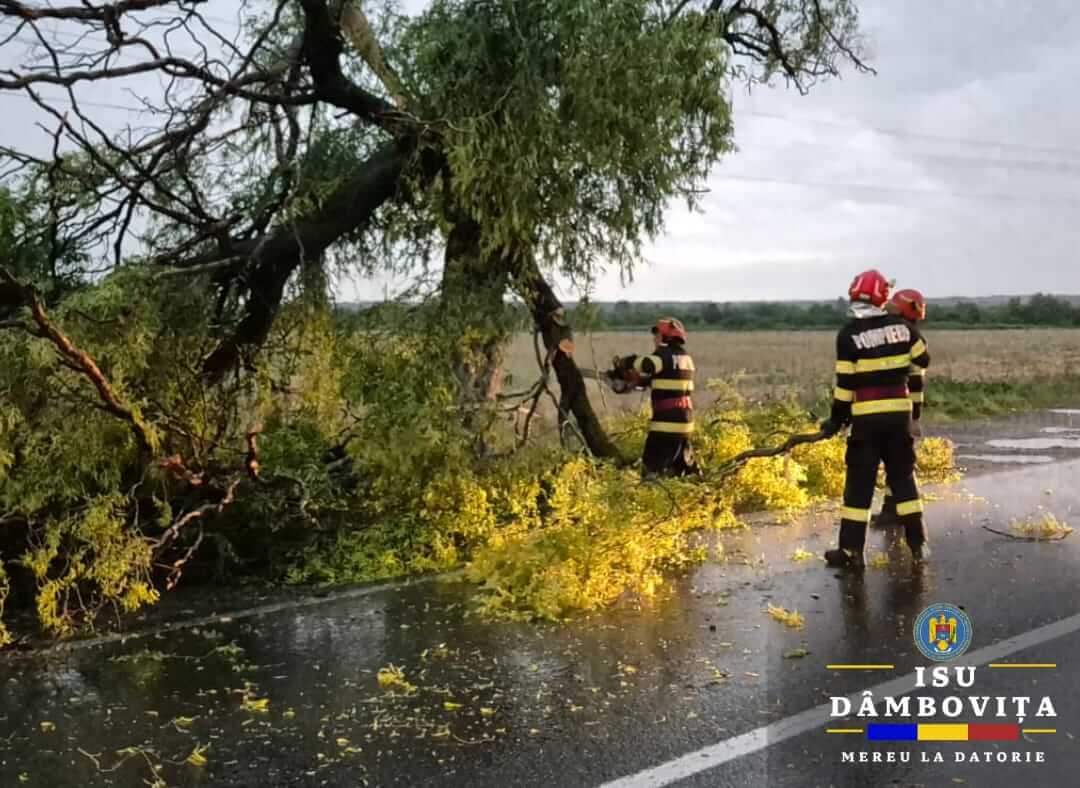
{"points": [[874, 353], [911, 306], [669, 373]]}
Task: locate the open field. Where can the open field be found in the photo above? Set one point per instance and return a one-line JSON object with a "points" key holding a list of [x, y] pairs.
{"points": [[771, 363]]}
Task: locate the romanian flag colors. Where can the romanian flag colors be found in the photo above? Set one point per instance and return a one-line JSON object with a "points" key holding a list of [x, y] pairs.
{"points": [[946, 732]]}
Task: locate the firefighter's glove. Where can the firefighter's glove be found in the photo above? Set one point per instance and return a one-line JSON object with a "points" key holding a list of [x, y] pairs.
{"points": [[623, 371], [915, 428], [829, 428]]}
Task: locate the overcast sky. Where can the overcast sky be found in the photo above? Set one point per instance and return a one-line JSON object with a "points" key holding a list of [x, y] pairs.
{"points": [[837, 193], [955, 170]]}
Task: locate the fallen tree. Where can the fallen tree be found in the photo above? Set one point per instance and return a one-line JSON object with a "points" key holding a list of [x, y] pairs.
{"points": [[168, 277]]}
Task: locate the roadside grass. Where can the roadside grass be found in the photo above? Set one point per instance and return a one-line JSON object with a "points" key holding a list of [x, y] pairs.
{"points": [[957, 400]]}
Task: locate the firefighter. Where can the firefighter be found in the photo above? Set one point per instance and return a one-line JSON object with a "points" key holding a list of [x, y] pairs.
{"points": [[910, 305], [669, 373], [874, 353]]}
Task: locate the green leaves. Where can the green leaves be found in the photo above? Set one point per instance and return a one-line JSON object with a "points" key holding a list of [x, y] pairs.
{"points": [[569, 126]]}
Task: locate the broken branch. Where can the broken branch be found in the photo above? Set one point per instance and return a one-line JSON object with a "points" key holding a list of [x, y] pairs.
{"points": [[1020, 538]]}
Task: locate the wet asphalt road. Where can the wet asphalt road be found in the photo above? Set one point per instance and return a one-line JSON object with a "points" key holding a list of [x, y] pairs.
{"points": [[292, 698]]}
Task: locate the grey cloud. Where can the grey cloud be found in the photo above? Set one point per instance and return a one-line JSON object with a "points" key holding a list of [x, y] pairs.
{"points": [[983, 71]]}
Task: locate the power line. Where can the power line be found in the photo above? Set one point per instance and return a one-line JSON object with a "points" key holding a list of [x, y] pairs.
{"points": [[68, 44], [900, 190], [903, 133], [77, 45], [207, 17], [67, 102], [1041, 165], [1051, 166]]}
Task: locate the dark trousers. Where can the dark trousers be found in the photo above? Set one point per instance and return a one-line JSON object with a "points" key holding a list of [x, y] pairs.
{"points": [[867, 448], [667, 454]]}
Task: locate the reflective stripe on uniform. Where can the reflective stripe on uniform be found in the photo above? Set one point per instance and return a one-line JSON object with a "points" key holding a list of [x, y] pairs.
{"points": [[657, 362], [672, 403], [671, 427], [880, 364], [858, 515], [918, 349], [683, 362], [916, 396], [909, 507], [917, 371], [844, 395], [667, 384], [881, 406], [845, 367]]}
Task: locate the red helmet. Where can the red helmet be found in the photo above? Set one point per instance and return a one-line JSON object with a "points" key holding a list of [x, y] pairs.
{"points": [[669, 328], [910, 304], [870, 286]]}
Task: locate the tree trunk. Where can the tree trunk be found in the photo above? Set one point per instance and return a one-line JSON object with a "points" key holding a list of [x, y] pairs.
{"points": [[473, 305], [473, 292], [550, 317]]}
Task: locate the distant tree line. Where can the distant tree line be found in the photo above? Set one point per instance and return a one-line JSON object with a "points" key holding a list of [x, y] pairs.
{"points": [[1038, 310]]}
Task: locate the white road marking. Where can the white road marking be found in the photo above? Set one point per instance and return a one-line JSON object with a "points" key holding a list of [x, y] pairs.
{"points": [[762, 738]]}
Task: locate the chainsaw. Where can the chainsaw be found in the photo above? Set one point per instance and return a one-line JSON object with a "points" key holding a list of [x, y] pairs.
{"points": [[620, 378]]}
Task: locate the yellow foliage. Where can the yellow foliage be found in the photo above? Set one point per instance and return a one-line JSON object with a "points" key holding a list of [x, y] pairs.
{"points": [[253, 704], [197, 757], [393, 677], [936, 463], [104, 562], [789, 618], [824, 464], [801, 555], [767, 484], [1042, 527], [602, 533], [879, 561], [547, 534], [5, 589]]}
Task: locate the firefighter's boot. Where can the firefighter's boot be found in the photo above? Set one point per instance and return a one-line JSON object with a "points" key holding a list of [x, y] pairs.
{"points": [[845, 559], [849, 553], [915, 536]]}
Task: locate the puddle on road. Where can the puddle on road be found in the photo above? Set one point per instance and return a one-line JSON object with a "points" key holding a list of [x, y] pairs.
{"points": [[1009, 459], [1059, 430], [1034, 444]]}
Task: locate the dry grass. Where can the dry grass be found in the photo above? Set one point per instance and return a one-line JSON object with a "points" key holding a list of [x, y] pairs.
{"points": [[769, 363]]}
